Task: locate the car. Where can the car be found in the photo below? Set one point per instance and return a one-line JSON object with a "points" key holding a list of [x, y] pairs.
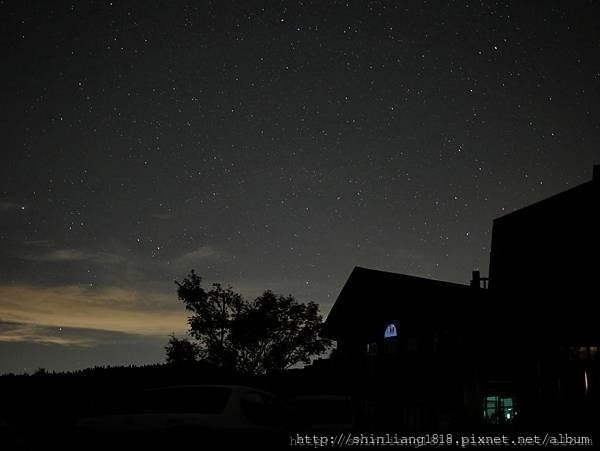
{"points": [[326, 413], [215, 416], [10, 438]]}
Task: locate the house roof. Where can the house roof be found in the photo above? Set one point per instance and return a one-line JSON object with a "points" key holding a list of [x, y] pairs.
{"points": [[571, 199], [370, 296], [550, 245]]}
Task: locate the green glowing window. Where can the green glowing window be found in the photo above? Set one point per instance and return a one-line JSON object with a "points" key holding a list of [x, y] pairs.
{"points": [[499, 409]]}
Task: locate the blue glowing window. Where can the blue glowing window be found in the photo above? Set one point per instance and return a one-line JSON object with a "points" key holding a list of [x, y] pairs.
{"points": [[390, 331]]}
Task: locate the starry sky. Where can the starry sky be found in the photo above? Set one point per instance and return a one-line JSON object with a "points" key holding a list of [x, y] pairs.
{"points": [[268, 145]]}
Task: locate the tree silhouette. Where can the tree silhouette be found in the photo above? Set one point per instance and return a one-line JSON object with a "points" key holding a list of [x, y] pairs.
{"points": [[275, 332], [181, 352], [270, 333]]}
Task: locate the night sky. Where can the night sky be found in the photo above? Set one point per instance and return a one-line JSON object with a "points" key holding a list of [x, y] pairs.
{"points": [[267, 145]]}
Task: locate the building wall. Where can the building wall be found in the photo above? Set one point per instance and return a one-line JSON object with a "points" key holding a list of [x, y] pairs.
{"points": [[553, 245]]}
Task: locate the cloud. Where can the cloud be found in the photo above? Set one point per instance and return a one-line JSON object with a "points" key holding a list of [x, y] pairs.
{"points": [[202, 252], [59, 255], [163, 216], [13, 332], [16, 332], [25, 347], [38, 243], [110, 309], [5, 205], [74, 255]]}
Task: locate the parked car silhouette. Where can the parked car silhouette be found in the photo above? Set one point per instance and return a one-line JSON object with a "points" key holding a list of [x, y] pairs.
{"points": [[215, 416], [10, 438], [326, 413]]}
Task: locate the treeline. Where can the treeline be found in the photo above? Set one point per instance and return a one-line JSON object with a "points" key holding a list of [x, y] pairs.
{"points": [[57, 398]]}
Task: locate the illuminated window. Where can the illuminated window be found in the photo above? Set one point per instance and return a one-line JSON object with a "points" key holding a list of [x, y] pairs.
{"points": [[390, 331], [372, 348], [499, 409]]}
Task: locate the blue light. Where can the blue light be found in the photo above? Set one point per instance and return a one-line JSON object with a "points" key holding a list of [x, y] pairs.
{"points": [[390, 331]]}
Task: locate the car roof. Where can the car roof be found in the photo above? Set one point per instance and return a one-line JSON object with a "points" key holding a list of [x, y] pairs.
{"points": [[192, 386], [321, 398]]}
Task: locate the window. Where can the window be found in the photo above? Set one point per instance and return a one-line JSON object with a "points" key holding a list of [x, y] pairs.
{"points": [[499, 409], [390, 331], [372, 348], [412, 344], [263, 410]]}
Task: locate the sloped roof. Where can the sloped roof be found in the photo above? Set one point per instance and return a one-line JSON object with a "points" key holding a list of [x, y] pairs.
{"points": [[371, 295], [571, 199], [550, 245]]}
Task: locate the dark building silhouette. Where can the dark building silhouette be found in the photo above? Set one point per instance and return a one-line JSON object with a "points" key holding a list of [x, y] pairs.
{"points": [[382, 312], [518, 352], [544, 262], [401, 340]]}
